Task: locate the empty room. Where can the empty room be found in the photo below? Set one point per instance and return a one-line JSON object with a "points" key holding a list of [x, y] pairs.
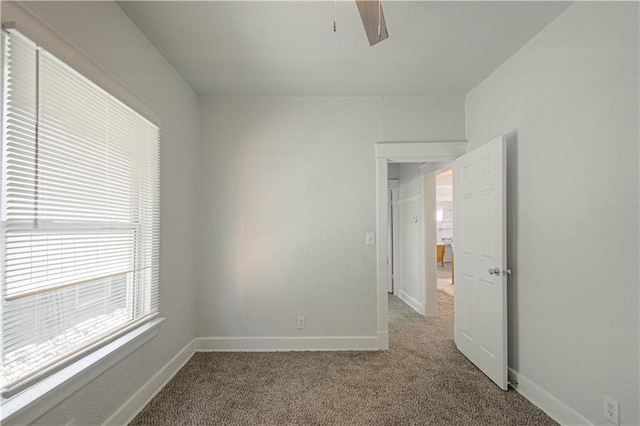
{"points": [[231, 212]]}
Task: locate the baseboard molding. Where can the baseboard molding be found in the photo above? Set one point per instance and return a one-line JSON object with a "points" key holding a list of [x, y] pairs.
{"points": [[278, 344], [141, 398], [555, 408], [415, 305], [383, 340]]}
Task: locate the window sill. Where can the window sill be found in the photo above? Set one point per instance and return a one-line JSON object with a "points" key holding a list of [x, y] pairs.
{"points": [[39, 398]]}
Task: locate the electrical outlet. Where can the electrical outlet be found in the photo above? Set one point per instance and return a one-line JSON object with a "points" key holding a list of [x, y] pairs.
{"points": [[611, 410], [302, 321]]}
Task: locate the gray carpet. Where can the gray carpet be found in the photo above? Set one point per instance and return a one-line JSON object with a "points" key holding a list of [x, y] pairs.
{"points": [[422, 379]]}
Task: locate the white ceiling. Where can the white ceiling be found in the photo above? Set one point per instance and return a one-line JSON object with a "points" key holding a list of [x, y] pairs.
{"points": [[268, 48]]}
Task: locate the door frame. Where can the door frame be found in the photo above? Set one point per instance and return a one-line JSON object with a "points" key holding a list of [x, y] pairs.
{"points": [[393, 185], [435, 153]]}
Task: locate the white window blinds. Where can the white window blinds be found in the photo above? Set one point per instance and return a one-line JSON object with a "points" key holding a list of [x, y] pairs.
{"points": [[80, 215]]}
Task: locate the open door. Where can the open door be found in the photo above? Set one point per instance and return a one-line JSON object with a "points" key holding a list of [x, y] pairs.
{"points": [[480, 231]]}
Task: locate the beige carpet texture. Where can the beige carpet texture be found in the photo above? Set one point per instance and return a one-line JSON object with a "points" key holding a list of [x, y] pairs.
{"points": [[421, 380]]}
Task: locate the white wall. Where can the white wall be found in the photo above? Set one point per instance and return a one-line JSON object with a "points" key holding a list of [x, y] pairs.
{"points": [[287, 194], [103, 31], [410, 240], [569, 102]]}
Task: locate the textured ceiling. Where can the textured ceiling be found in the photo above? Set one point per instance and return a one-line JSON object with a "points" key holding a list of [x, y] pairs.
{"points": [[268, 48]]}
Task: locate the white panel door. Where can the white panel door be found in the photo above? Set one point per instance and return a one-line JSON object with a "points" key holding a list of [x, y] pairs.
{"points": [[479, 203]]}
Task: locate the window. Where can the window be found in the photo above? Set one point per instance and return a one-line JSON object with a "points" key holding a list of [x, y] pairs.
{"points": [[80, 215]]}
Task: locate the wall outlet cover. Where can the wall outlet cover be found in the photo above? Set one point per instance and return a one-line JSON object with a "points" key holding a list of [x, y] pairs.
{"points": [[302, 321]]}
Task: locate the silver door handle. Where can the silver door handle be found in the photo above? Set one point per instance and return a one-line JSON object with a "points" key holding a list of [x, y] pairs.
{"points": [[494, 271]]}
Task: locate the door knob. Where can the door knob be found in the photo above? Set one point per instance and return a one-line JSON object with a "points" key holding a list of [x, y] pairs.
{"points": [[494, 271]]}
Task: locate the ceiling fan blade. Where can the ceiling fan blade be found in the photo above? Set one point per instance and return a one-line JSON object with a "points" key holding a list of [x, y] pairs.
{"points": [[370, 13]]}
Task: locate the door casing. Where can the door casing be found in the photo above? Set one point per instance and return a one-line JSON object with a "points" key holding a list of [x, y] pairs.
{"points": [[435, 153], [393, 239]]}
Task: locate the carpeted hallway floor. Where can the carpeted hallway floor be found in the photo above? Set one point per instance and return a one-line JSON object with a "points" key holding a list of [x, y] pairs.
{"points": [[422, 379]]}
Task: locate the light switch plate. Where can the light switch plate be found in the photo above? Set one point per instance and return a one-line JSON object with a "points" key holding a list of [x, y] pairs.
{"points": [[370, 238]]}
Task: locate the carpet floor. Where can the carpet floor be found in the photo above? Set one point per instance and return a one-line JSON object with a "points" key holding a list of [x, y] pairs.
{"points": [[444, 271], [421, 380], [444, 279], [446, 286]]}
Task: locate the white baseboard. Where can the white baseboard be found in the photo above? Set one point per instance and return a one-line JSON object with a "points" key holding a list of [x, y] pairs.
{"points": [[417, 306], [276, 344], [556, 409], [383, 340], [141, 398]]}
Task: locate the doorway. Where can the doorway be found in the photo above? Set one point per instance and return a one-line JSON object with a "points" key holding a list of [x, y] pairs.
{"points": [[435, 155], [420, 236]]}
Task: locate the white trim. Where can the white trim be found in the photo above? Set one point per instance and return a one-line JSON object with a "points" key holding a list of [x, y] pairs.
{"points": [[395, 216], [555, 408], [430, 234], [127, 411], [439, 159], [18, 15], [417, 152], [30, 404], [435, 99], [383, 341], [286, 344], [413, 303], [409, 199], [382, 216], [394, 189], [422, 260]]}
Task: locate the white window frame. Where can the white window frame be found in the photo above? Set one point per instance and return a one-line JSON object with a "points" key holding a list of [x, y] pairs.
{"points": [[30, 404]]}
